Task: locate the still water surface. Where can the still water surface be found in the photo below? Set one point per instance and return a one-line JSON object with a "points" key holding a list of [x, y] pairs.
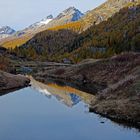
{"points": [[52, 112]]}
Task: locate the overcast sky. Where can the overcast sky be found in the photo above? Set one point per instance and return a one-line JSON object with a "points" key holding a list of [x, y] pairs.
{"points": [[21, 13]]}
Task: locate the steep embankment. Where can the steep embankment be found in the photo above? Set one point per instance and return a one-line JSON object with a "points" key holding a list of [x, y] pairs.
{"points": [[116, 82]]}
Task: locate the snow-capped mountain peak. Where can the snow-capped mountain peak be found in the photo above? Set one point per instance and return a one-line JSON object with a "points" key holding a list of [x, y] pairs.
{"points": [[46, 20], [6, 30], [48, 17], [42, 22], [71, 11]]}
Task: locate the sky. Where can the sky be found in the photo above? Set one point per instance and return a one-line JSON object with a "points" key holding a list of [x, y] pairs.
{"points": [[19, 14]]}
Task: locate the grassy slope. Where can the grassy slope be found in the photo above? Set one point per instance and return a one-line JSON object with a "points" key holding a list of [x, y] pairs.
{"points": [[15, 42]]}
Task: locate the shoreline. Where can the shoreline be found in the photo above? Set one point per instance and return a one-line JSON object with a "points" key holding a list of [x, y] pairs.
{"points": [[116, 81], [120, 119]]}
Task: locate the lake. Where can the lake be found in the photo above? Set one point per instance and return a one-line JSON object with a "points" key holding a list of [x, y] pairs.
{"points": [[53, 112]]}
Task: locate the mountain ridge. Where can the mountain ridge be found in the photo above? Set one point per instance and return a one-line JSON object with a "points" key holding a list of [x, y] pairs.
{"points": [[105, 11], [67, 16], [92, 17], [70, 14], [99, 41]]}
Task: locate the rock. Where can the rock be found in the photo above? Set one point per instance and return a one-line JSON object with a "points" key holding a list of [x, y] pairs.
{"points": [[10, 81]]}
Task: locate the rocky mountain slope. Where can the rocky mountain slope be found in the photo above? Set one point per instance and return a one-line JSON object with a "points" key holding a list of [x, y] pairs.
{"points": [[35, 27], [106, 10], [69, 15], [44, 21]]}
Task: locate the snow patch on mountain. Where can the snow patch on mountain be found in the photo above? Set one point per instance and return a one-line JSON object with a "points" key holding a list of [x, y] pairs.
{"points": [[44, 21], [6, 31], [71, 11]]}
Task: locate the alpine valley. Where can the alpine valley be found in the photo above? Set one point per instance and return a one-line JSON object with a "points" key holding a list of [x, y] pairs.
{"points": [[92, 57]]}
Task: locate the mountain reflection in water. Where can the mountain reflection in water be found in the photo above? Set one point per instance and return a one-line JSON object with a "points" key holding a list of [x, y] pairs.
{"points": [[27, 114], [67, 95]]}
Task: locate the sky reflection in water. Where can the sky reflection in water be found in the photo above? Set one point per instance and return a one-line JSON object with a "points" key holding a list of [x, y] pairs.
{"points": [[63, 115]]}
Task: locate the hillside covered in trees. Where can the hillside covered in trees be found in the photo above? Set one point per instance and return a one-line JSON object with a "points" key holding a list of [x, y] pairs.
{"points": [[118, 34], [47, 45]]}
